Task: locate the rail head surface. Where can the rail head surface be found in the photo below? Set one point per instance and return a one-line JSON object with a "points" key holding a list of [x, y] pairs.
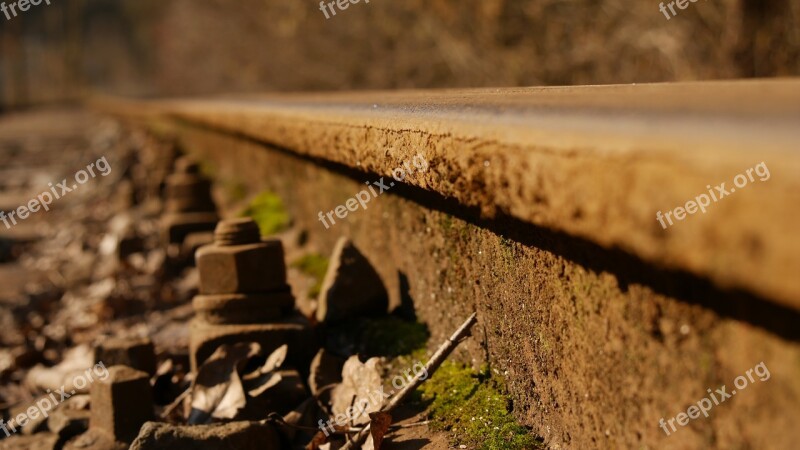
{"points": [[595, 162]]}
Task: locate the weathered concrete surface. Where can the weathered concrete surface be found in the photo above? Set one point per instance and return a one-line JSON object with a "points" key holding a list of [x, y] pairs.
{"points": [[597, 343], [593, 162], [596, 348]]}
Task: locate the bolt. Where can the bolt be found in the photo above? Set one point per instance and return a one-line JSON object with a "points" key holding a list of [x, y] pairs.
{"points": [[237, 232]]}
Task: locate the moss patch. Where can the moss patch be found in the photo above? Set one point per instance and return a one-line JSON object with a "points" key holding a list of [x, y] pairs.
{"points": [[268, 212], [392, 336], [314, 265], [475, 409]]}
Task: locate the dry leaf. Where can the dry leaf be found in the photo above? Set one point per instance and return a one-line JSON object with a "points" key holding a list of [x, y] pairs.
{"points": [[326, 370], [76, 361], [379, 425], [359, 393], [258, 386], [275, 360], [318, 442], [257, 382], [233, 400], [217, 391]]}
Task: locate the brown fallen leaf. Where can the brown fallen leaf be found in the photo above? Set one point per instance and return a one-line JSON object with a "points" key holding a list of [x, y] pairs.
{"points": [[222, 391], [380, 422], [359, 393], [217, 391], [267, 376], [317, 441], [326, 370]]}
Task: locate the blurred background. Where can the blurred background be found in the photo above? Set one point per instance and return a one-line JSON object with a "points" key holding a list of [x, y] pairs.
{"points": [[190, 47]]}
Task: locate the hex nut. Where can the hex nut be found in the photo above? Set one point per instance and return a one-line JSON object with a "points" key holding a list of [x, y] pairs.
{"points": [[247, 269]]}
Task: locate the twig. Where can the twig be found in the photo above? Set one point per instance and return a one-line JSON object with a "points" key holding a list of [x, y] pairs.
{"points": [[397, 426], [319, 393], [409, 425], [175, 403], [433, 364], [277, 418]]}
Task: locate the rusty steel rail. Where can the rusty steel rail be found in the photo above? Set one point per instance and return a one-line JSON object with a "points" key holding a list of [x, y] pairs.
{"points": [[597, 162]]}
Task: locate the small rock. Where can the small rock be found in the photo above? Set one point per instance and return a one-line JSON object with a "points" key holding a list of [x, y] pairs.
{"points": [[68, 423], [128, 245], [77, 402], [33, 420], [41, 441], [351, 287], [94, 440], [136, 353], [25, 358], [121, 403]]}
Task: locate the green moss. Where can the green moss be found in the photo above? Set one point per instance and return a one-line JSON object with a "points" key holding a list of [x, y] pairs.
{"points": [[542, 341], [315, 265], [391, 336], [465, 231], [450, 228], [268, 212], [507, 250], [446, 222], [475, 409]]}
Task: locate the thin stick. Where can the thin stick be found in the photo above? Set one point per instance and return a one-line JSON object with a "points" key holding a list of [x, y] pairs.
{"points": [[409, 425], [274, 417], [175, 403], [397, 426], [433, 364]]}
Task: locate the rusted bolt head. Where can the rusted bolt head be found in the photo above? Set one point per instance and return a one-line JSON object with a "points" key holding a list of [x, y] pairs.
{"points": [[239, 262], [237, 232]]}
